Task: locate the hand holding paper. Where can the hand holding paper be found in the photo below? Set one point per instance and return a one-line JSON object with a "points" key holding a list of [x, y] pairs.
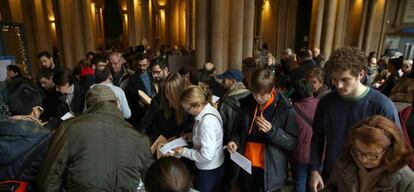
{"points": [[180, 142]]}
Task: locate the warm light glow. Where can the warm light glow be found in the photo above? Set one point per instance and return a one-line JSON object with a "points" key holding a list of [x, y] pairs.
{"points": [[52, 18], [126, 18], [162, 2], [53, 26], [93, 8]]}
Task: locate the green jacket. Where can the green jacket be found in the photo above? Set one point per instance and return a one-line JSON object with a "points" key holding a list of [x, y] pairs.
{"points": [[344, 178], [97, 151]]}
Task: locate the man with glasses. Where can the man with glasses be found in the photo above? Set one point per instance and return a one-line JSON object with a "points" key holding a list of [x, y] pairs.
{"points": [[23, 139], [159, 70]]}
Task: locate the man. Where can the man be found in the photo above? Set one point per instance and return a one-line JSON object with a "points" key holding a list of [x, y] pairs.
{"points": [[46, 60], [215, 86], [318, 57], [23, 140], [120, 73], [228, 106], [306, 64], [103, 77], [50, 101], [98, 151], [159, 70], [264, 132], [71, 97], [340, 109], [141, 81]]}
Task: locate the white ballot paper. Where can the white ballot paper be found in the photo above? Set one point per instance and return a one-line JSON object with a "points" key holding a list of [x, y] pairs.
{"points": [[242, 161], [180, 142], [66, 116]]}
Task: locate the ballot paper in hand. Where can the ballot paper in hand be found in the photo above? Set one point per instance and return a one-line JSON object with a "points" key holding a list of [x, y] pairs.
{"points": [[68, 115], [241, 161], [180, 142]]}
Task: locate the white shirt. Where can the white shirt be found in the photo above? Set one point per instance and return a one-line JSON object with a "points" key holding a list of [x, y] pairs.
{"points": [[120, 94], [207, 151]]}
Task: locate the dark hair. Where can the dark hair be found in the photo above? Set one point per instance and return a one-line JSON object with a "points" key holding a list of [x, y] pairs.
{"points": [[184, 70], [46, 73], [262, 80], [317, 73], [381, 131], [282, 81], [200, 75], [347, 58], [159, 62], [62, 77], [93, 54], [303, 54], [23, 98], [102, 73], [168, 174], [141, 56], [44, 54], [98, 58], [303, 89], [15, 69]]}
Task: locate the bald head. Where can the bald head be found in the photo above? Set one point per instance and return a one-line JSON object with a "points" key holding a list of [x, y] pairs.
{"points": [[316, 52], [210, 68]]}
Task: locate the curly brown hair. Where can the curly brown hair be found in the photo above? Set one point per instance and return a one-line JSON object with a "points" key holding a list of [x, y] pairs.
{"points": [[347, 58], [381, 131]]}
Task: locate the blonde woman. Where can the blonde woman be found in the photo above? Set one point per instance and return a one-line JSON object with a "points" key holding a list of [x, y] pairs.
{"points": [[207, 152]]}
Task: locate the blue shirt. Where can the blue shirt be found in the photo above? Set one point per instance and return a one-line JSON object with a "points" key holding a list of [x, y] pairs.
{"points": [[335, 117], [147, 83]]}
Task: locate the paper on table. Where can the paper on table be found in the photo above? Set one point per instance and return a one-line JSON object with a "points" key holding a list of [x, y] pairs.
{"points": [[66, 116], [180, 142], [241, 161]]}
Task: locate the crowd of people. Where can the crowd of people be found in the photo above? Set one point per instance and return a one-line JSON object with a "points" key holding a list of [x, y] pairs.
{"points": [[326, 124]]}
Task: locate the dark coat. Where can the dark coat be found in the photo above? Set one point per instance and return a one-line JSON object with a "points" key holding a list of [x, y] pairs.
{"points": [[344, 178], [137, 108], [76, 106], [155, 124], [280, 140], [23, 144], [97, 151]]}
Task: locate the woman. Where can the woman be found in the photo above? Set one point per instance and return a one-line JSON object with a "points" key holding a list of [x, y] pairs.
{"points": [[316, 77], [375, 160], [165, 115], [207, 151]]}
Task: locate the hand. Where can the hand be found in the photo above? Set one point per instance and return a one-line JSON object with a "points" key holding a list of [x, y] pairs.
{"points": [[263, 124], [316, 182], [231, 147], [178, 150]]}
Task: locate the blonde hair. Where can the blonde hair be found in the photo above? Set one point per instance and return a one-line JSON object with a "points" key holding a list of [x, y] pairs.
{"points": [[193, 95], [170, 91]]}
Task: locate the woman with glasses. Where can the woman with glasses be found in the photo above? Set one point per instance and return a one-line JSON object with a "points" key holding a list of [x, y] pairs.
{"points": [[375, 160], [207, 137]]}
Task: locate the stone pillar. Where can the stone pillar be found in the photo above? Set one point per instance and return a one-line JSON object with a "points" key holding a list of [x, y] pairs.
{"points": [[201, 33], [5, 14], [188, 22], [340, 25], [137, 21], [77, 31], [236, 34], [87, 25], [63, 19], [217, 32], [248, 28], [330, 17], [41, 28], [363, 23], [369, 24], [318, 24], [144, 20], [131, 22]]}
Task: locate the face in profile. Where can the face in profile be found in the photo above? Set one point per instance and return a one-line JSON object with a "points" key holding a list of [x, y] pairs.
{"points": [[370, 156], [64, 89], [227, 83], [46, 84], [316, 84], [46, 62]]}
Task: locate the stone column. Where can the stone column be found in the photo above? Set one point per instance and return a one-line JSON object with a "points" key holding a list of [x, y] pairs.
{"points": [[369, 24], [201, 33], [217, 32], [87, 25], [330, 17], [137, 21], [363, 23], [5, 14], [41, 28], [340, 25], [131, 23], [236, 34], [67, 54], [248, 28], [77, 31], [318, 25]]}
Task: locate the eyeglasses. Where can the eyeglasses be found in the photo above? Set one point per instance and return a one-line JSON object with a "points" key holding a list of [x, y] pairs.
{"points": [[38, 108], [370, 155]]}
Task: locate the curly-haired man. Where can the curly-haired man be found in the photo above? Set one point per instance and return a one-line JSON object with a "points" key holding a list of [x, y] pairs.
{"points": [[339, 110]]}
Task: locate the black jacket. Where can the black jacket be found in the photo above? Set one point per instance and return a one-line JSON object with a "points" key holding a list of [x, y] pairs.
{"points": [[137, 108], [23, 144], [76, 106], [278, 141], [155, 124]]}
